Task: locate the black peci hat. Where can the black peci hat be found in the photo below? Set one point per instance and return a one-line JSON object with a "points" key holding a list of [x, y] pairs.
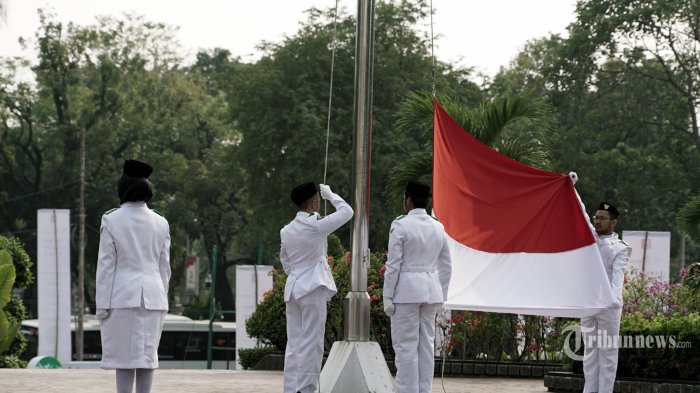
{"points": [[303, 192], [135, 168], [418, 190], [610, 209]]}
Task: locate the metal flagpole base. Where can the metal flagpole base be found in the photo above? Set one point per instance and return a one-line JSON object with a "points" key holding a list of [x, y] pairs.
{"points": [[356, 367]]}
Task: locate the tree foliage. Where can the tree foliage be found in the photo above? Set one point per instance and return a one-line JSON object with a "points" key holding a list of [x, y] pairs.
{"points": [[688, 218], [280, 106], [120, 81], [624, 116], [514, 126], [636, 31], [228, 139]]}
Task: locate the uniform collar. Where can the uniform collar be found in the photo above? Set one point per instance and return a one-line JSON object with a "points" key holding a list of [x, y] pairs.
{"points": [[306, 214], [608, 238], [134, 204], [418, 210]]}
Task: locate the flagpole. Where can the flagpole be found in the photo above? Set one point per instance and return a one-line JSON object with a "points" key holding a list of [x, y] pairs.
{"points": [[357, 301], [356, 364]]}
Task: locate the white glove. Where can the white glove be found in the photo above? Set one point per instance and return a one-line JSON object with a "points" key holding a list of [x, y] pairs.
{"points": [[389, 307], [326, 192], [441, 308], [573, 176], [102, 313]]}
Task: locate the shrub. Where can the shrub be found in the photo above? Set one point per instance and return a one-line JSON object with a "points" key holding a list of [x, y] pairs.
{"points": [[23, 265], [268, 322], [12, 361], [691, 277], [668, 315], [675, 347], [249, 357], [15, 271], [648, 296], [495, 336]]}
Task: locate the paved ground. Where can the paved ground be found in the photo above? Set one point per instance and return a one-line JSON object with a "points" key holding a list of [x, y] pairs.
{"points": [[210, 381]]}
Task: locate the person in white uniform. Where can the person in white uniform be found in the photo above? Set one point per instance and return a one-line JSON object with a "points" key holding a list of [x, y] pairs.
{"points": [[600, 359], [133, 272], [310, 283], [417, 275]]}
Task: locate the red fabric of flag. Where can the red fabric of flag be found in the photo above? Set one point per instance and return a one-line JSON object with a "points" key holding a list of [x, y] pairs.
{"points": [[492, 203]]}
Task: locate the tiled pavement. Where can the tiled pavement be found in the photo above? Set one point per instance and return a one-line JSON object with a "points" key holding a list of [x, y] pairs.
{"points": [[210, 381]]}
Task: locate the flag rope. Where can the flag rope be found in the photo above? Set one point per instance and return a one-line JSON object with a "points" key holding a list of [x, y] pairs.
{"points": [[330, 97], [432, 46]]}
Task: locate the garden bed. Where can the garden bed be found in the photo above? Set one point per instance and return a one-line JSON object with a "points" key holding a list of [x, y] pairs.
{"points": [[453, 368], [563, 382]]}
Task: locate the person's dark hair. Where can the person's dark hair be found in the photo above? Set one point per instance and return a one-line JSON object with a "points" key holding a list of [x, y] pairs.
{"points": [[418, 203], [305, 205], [134, 189], [418, 192]]}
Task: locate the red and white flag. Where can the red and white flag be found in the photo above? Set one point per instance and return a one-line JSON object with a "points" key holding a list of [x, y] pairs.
{"points": [[521, 239]]}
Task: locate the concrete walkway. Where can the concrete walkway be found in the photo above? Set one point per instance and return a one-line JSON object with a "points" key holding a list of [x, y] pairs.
{"points": [[210, 381]]}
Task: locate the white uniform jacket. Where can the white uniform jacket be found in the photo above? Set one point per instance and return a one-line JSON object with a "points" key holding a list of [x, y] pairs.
{"points": [[418, 266], [615, 254], [303, 252], [133, 259]]}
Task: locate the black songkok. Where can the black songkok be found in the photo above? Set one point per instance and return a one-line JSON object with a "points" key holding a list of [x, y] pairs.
{"points": [[610, 209], [303, 192], [137, 169]]}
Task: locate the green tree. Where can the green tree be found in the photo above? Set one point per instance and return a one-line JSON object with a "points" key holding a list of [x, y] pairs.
{"points": [[622, 131], [121, 81], [625, 150], [535, 71], [634, 32], [280, 106], [514, 126]]}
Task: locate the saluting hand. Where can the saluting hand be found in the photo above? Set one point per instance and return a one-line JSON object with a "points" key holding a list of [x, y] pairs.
{"points": [[326, 192]]}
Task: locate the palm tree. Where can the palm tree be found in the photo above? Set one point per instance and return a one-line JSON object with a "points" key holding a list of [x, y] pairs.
{"points": [[688, 218], [688, 221], [513, 126]]}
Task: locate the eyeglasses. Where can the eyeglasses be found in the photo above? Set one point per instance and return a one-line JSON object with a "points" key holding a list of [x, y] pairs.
{"points": [[600, 218]]}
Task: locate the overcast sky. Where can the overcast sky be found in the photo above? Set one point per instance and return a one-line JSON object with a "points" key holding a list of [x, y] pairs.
{"points": [[485, 34]]}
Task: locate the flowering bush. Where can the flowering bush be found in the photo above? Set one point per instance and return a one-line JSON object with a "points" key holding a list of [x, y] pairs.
{"points": [[268, 322], [472, 335], [478, 335], [494, 336], [659, 310], [647, 296]]}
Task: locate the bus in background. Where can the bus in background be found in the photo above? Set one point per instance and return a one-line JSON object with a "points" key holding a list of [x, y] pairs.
{"points": [[183, 343]]}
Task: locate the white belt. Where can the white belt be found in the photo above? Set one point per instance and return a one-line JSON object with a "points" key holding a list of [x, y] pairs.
{"points": [[304, 265], [416, 269]]}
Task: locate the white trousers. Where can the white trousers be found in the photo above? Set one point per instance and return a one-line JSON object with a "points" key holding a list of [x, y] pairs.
{"points": [[413, 338], [306, 325], [600, 361]]}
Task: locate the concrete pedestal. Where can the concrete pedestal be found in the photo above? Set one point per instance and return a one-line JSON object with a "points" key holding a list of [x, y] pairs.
{"points": [[356, 367]]}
